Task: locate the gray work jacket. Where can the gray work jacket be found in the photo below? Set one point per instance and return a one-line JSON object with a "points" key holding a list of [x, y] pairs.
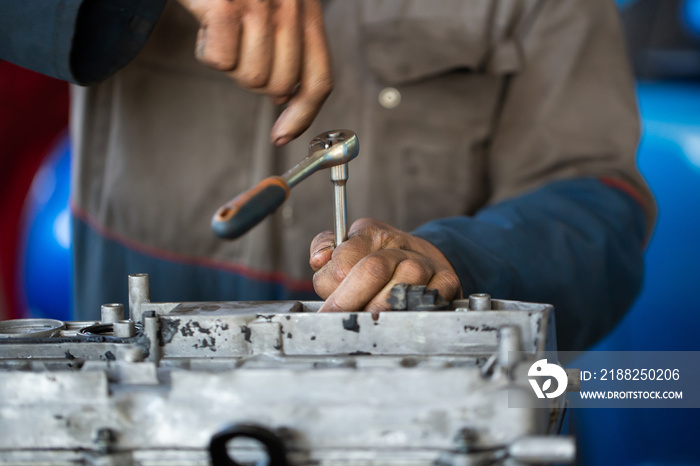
{"points": [[459, 105], [456, 104]]}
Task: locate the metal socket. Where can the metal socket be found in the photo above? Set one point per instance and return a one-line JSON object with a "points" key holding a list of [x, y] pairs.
{"points": [[509, 346], [480, 302], [124, 328], [139, 293], [112, 312]]}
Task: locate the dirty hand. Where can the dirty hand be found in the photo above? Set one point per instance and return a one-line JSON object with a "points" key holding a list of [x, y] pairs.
{"points": [[274, 47], [359, 274]]}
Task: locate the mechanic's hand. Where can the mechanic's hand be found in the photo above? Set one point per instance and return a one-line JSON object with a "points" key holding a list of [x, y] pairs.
{"points": [[359, 274], [273, 47]]}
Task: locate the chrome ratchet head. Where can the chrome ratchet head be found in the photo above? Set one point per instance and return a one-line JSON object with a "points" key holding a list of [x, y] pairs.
{"points": [[338, 146], [326, 150], [249, 208]]}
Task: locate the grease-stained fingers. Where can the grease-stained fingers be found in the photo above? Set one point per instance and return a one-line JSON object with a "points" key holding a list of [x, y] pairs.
{"points": [[360, 285], [287, 19], [414, 270], [447, 284], [218, 38], [343, 259], [316, 79], [321, 250], [256, 45]]}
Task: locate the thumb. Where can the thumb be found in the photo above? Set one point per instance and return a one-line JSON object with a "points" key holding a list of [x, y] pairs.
{"points": [[321, 250]]}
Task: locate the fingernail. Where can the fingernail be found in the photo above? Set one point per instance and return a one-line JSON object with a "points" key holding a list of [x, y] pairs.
{"points": [[282, 140], [330, 246]]}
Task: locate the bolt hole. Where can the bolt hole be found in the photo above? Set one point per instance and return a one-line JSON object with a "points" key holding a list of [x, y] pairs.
{"points": [[409, 362], [248, 451]]}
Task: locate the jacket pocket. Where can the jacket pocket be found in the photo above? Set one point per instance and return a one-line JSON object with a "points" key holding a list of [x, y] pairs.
{"points": [[425, 39], [447, 79]]}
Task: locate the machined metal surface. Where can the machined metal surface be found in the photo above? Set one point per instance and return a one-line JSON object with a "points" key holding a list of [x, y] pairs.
{"points": [[410, 388], [30, 328]]}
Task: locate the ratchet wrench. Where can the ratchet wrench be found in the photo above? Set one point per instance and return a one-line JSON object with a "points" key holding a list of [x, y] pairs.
{"points": [[330, 149]]}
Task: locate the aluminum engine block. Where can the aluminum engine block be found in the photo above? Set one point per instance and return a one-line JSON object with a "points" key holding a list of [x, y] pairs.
{"points": [[178, 381]]}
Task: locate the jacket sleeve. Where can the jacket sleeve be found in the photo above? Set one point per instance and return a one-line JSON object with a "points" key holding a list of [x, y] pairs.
{"points": [[568, 212], [570, 110], [81, 41], [576, 244]]}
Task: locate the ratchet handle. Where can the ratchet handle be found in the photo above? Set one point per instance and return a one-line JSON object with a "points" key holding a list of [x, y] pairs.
{"points": [[249, 208]]}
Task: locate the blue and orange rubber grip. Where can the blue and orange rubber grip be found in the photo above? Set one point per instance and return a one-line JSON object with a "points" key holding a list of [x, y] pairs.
{"points": [[249, 208]]}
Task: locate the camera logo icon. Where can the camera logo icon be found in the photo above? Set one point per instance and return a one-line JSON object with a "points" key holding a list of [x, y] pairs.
{"points": [[541, 369]]}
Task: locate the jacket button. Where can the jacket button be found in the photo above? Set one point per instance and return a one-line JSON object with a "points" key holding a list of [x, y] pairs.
{"points": [[288, 215], [389, 97]]}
